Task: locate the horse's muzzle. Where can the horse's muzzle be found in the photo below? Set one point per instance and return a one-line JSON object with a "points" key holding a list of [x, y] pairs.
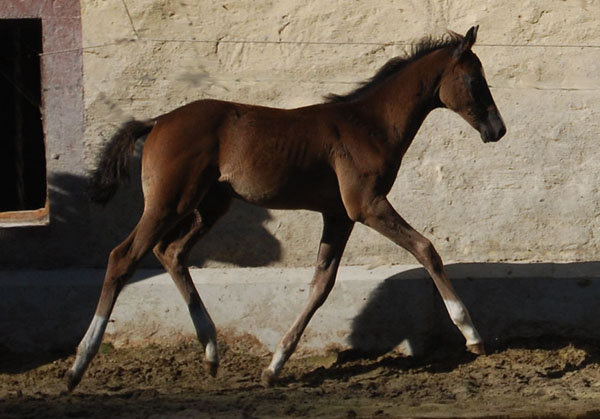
{"points": [[493, 129]]}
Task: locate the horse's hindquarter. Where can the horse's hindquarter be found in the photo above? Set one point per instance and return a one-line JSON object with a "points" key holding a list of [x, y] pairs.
{"points": [[180, 155]]}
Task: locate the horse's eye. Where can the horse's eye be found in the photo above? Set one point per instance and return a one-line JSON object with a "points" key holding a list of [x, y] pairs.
{"points": [[480, 91], [479, 87], [478, 84]]}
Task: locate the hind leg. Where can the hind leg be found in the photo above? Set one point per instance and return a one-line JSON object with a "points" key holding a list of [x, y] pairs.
{"points": [[173, 251], [121, 265]]}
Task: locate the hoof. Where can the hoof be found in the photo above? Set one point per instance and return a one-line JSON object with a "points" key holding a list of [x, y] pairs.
{"points": [[267, 378], [212, 368], [477, 348], [72, 380]]}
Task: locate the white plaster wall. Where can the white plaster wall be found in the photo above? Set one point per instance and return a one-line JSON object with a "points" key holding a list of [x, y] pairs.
{"points": [[534, 196]]}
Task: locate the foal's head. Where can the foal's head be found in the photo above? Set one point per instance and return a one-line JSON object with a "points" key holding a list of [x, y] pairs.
{"points": [[464, 90]]}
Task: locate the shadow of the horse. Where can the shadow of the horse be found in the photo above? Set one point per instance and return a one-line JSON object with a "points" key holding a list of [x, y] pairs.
{"points": [[507, 301]]}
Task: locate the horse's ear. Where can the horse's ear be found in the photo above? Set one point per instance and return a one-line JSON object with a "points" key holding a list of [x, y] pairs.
{"points": [[467, 41]]}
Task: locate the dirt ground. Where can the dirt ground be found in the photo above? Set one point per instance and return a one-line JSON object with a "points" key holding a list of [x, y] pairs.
{"points": [[541, 379]]}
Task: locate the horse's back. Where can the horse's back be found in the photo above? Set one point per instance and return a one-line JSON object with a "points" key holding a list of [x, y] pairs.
{"points": [[271, 157]]}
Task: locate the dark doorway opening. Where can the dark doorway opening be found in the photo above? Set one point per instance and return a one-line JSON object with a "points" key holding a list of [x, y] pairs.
{"points": [[22, 151]]}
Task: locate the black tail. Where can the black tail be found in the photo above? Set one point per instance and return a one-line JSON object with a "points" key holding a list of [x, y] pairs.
{"points": [[115, 159]]}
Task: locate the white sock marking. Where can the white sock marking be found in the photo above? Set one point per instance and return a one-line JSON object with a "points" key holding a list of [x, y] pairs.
{"points": [[210, 353], [460, 316], [89, 345], [276, 362]]}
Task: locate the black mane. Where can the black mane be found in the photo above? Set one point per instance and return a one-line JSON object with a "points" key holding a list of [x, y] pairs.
{"points": [[420, 49]]}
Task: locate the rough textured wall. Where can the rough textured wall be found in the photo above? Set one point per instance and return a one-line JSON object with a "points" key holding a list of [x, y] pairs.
{"points": [[531, 197]]}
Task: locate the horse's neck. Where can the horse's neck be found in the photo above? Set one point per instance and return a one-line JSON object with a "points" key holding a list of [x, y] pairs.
{"points": [[403, 102]]}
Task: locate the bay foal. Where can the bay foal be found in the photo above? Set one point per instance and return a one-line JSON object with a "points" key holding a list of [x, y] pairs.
{"points": [[339, 158]]}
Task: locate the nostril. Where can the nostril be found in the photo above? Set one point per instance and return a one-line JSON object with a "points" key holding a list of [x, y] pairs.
{"points": [[502, 131]]}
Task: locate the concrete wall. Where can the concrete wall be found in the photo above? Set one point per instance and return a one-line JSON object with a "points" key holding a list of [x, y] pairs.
{"points": [[533, 197], [375, 309]]}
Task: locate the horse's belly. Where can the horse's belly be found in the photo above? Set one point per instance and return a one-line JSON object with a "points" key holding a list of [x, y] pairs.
{"points": [[286, 191], [253, 191]]}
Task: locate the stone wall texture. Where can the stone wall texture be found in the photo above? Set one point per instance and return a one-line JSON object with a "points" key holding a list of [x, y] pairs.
{"points": [[534, 196]]}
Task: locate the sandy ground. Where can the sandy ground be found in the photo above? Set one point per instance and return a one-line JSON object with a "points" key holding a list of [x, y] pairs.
{"points": [[541, 379]]}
